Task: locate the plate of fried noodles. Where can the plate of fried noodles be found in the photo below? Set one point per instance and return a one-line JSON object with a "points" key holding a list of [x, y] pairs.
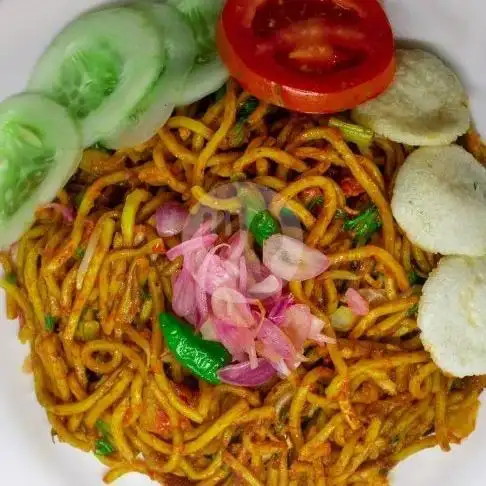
{"points": [[243, 242]]}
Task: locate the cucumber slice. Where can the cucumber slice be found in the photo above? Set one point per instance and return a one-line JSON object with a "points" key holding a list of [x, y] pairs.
{"points": [[156, 107], [40, 148], [99, 67], [209, 72]]}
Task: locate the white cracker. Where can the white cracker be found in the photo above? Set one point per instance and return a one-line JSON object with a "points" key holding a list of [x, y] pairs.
{"points": [[425, 105], [452, 315], [439, 200]]}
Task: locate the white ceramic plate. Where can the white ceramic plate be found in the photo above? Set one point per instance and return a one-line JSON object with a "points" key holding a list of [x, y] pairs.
{"points": [[453, 28]]}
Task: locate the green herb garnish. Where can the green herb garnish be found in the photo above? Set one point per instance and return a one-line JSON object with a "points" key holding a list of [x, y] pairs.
{"points": [[11, 278], [315, 203], [104, 448], [364, 226], [341, 214], [237, 134], [103, 428], [413, 311], [49, 323], [247, 109], [415, 279], [357, 134], [79, 253]]}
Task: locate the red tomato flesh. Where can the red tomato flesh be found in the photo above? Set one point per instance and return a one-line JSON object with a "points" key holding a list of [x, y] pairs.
{"points": [[314, 56]]}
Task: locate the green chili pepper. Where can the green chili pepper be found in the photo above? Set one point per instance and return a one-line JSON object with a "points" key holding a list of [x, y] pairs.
{"points": [[264, 225], [203, 358], [259, 220]]}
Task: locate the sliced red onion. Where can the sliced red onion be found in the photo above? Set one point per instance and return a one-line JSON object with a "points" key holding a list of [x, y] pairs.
{"points": [[281, 367], [301, 325], [184, 300], [291, 259], [315, 332], [67, 212], [278, 308], [276, 344], [194, 319], [297, 324], [256, 271], [213, 273], [268, 287], [208, 331], [193, 261], [196, 227], [202, 304], [243, 275], [239, 341], [171, 218], [242, 374], [237, 244], [191, 245], [229, 305], [357, 303]]}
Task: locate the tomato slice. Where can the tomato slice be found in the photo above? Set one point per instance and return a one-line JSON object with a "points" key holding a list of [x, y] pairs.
{"points": [[313, 56]]}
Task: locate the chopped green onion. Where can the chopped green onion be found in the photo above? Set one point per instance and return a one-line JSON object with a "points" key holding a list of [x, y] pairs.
{"points": [[11, 278], [341, 214], [237, 135], [364, 225], [316, 202], [103, 428], [247, 109], [415, 279], [104, 447], [353, 133], [79, 253], [49, 323], [413, 311]]}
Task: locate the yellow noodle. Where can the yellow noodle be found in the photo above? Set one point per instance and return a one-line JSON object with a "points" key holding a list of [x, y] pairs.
{"points": [[354, 407]]}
